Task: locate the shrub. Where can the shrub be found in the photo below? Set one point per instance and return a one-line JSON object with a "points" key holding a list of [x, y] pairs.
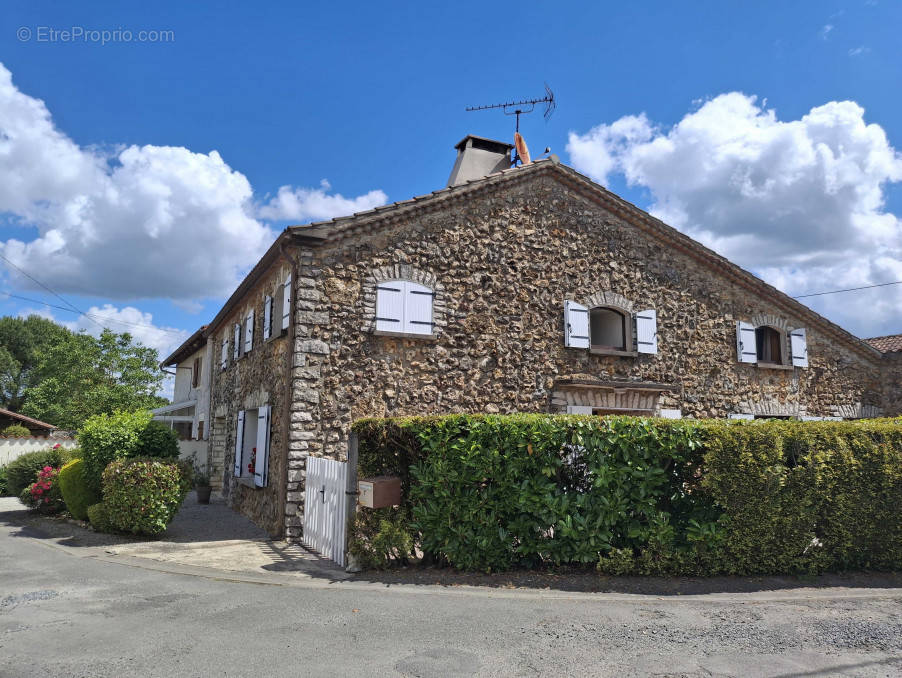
{"points": [[76, 492], [157, 440], [380, 538], [3, 490], [142, 495], [16, 431], [641, 496], [23, 471], [108, 437], [99, 518], [44, 494]]}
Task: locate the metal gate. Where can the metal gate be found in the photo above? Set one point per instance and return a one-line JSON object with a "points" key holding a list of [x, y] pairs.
{"points": [[325, 508]]}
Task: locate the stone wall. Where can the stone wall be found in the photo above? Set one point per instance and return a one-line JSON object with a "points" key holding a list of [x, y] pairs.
{"points": [[506, 261], [257, 378], [892, 384]]}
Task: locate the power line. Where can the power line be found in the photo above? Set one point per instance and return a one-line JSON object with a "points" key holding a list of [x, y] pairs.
{"points": [[851, 289], [94, 318], [49, 289]]}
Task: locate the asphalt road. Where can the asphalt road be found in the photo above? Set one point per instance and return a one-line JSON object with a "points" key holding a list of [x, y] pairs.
{"points": [[64, 615]]}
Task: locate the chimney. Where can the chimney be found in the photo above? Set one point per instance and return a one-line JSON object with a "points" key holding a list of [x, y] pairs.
{"points": [[478, 157]]}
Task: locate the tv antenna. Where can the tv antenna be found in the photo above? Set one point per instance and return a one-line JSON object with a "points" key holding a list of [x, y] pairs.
{"points": [[525, 106]]}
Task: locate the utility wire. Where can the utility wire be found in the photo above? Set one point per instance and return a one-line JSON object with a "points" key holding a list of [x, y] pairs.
{"points": [[71, 306], [851, 289], [93, 317]]}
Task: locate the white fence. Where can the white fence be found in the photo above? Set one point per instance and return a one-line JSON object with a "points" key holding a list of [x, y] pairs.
{"points": [[12, 448], [326, 508]]}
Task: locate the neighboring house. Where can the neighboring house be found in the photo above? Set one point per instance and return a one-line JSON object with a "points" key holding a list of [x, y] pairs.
{"points": [[891, 346], [37, 428], [189, 412], [532, 289]]}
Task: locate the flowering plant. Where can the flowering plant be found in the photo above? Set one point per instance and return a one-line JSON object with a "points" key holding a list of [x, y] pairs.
{"points": [[44, 494], [253, 463]]}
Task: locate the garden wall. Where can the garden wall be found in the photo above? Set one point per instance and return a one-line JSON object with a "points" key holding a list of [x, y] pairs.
{"points": [[12, 448]]}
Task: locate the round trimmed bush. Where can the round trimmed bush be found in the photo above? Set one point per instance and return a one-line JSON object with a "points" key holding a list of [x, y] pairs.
{"points": [[99, 518], [16, 431], [157, 440], [23, 471], [142, 495], [76, 492]]}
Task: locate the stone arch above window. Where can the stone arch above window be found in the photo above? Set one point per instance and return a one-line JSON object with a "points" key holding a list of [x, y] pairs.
{"points": [[608, 298], [766, 319], [403, 272]]}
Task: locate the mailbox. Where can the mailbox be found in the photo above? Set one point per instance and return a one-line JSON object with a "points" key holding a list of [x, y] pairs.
{"points": [[379, 492]]}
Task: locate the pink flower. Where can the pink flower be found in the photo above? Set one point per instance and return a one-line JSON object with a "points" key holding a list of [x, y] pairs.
{"points": [[57, 446], [47, 469], [37, 490]]}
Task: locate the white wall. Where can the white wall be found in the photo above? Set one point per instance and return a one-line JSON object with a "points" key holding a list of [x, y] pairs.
{"points": [[189, 447], [11, 448]]}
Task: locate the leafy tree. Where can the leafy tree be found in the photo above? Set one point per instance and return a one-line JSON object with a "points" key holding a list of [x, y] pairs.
{"points": [[21, 342], [79, 376]]}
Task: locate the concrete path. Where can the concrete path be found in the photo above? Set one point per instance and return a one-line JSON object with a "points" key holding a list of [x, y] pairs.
{"points": [[208, 536]]}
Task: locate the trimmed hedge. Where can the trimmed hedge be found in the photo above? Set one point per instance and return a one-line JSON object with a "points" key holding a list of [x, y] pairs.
{"points": [[100, 520], [22, 471], [142, 495], [640, 496], [16, 431], [109, 437], [76, 492]]}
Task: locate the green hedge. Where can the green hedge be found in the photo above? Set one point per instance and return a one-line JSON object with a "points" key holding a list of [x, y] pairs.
{"points": [[22, 471], [16, 431], [143, 495], [100, 519], [77, 494], [109, 437], [636, 495]]}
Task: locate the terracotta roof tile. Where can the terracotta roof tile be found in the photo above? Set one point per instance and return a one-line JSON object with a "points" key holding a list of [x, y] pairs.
{"points": [[888, 344]]}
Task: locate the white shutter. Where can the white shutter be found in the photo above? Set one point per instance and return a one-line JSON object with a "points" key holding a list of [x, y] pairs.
{"points": [[224, 355], [286, 303], [390, 306], [249, 332], [670, 414], [647, 331], [576, 325], [417, 309], [236, 349], [261, 465], [239, 443], [745, 343], [798, 343], [267, 317], [579, 409], [742, 416]]}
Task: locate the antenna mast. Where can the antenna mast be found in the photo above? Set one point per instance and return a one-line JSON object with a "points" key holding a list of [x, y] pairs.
{"points": [[524, 106]]}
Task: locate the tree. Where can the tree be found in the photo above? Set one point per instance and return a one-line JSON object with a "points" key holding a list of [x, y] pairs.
{"points": [[79, 376], [21, 341]]}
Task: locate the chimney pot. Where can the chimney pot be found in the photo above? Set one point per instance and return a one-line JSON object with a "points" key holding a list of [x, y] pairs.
{"points": [[478, 157]]}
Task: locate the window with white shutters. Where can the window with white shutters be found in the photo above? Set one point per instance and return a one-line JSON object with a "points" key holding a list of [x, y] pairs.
{"points": [[576, 325], [286, 303], [404, 307], [261, 456], [746, 350], [224, 354], [267, 317], [647, 331], [236, 344], [798, 343], [249, 332], [239, 445]]}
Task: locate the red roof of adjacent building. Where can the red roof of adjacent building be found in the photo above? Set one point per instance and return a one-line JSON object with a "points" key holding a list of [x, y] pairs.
{"points": [[888, 344], [27, 420]]}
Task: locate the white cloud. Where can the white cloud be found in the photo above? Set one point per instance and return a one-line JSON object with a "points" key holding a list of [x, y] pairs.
{"points": [[140, 222], [825, 31], [859, 51], [315, 204], [799, 202]]}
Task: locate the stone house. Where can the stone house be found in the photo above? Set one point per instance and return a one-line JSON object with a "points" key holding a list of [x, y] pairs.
{"points": [[529, 289]]}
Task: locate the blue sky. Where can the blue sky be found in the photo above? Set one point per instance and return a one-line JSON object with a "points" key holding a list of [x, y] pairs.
{"points": [[370, 98]]}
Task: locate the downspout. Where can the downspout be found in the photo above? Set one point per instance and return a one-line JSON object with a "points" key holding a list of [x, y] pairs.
{"points": [[289, 392]]}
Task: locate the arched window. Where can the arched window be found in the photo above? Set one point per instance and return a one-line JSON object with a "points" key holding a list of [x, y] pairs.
{"points": [[768, 345], [607, 328]]}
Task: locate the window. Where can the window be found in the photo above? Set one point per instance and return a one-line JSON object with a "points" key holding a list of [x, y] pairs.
{"points": [[767, 345], [200, 429], [224, 353], [607, 329], [195, 372], [252, 442], [249, 331], [404, 307], [236, 345], [286, 303], [267, 317]]}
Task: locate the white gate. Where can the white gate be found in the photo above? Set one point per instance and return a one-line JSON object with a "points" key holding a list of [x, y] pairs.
{"points": [[325, 507]]}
